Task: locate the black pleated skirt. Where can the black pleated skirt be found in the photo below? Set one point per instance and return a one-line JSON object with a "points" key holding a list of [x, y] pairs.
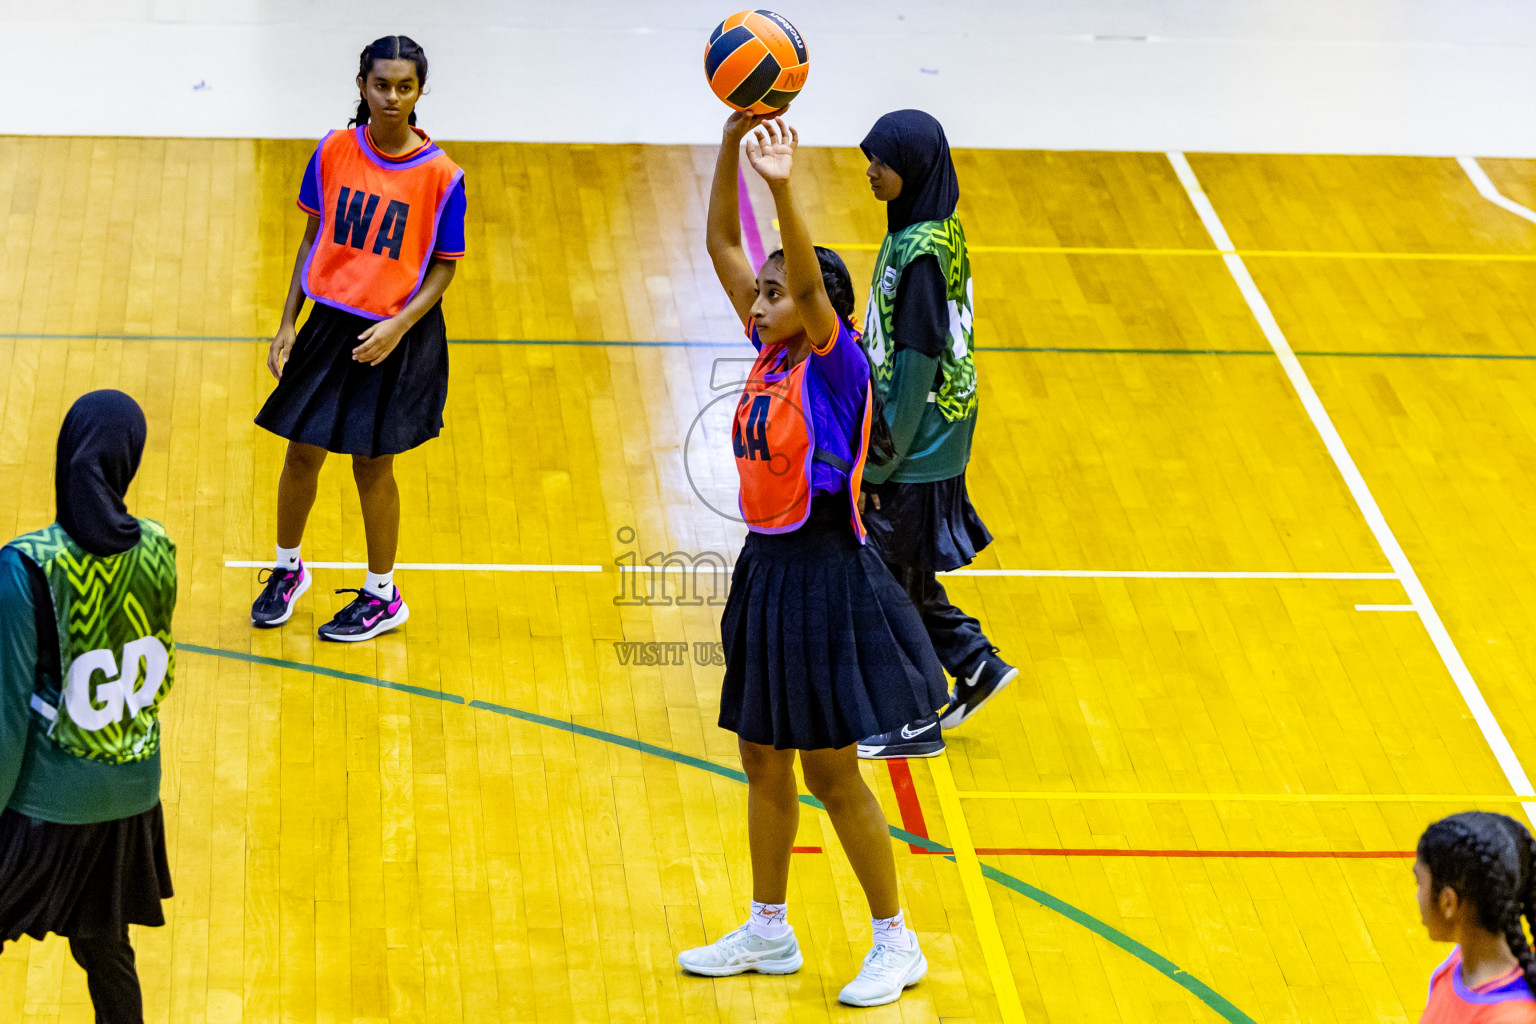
{"points": [[822, 647], [81, 879], [328, 399], [929, 527]]}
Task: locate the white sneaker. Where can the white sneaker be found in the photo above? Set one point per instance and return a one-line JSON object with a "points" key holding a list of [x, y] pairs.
{"points": [[741, 951], [886, 972]]}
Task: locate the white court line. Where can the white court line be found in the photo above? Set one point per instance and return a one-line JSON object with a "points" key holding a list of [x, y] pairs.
{"points": [[1113, 574], [1489, 191], [1385, 608], [1476, 703], [430, 566]]}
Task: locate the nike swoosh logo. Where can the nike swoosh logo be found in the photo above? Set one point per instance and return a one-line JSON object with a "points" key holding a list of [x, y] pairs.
{"points": [[907, 735], [369, 622]]}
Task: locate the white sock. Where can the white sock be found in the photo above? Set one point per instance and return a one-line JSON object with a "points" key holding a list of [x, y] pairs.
{"points": [[381, 584], [892, 931], [769, 920], [287, 558]]}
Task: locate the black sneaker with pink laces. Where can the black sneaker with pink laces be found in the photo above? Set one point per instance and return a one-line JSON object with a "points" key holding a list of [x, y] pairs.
{"points": [[366, 616], [283, 587]]}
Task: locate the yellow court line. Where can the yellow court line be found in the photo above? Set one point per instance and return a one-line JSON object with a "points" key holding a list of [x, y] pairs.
{"points": [[975, 887], [1297, 254], [1276, 798]]}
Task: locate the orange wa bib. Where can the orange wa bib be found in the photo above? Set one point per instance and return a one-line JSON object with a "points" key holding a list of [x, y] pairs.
{"points": [[378, 224]]}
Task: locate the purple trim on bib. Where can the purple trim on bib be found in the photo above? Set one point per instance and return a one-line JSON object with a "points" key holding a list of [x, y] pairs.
{"points": [[427, 152], [1514, 990], [810, 451], [309, 257], [437, 223]]}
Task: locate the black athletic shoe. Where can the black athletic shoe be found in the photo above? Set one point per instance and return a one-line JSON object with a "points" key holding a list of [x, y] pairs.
{"points": [[986, 680], [283, 587], [922, 738], [366, 617]]}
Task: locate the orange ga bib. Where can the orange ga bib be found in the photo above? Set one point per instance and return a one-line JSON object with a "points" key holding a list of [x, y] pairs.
{"points": [[773, 437]]}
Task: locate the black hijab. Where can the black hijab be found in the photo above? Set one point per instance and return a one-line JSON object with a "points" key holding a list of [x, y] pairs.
{"points": [[913, 144], [100, 445]]}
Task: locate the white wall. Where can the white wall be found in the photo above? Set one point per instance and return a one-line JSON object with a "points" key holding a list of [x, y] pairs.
{"points": [[1359, 76]]}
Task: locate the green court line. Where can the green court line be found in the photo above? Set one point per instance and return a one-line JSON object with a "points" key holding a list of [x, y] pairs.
{"points": [[1049, 349], [1150, 957], [320, 670]]}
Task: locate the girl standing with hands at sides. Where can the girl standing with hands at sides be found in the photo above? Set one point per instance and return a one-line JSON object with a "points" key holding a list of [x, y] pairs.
{"points": [[1475, 883], [367, 374], [822, 647]]}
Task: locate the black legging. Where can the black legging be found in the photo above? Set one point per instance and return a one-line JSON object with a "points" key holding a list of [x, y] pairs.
{"points": [[111, 976], [957, 637]]}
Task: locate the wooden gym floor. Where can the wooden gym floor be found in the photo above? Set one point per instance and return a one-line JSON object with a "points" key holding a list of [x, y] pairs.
{"points": [[1197, 803]]}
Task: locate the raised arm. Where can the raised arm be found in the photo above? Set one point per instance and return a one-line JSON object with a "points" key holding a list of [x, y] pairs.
{"points": [[723, 236], [771, 149]]}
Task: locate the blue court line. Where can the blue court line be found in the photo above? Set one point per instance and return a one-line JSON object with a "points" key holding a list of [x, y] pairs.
{"points": [[1207, 995], [1049, 349]]}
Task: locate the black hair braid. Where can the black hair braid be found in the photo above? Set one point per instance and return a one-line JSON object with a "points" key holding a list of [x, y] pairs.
{"points": [[838, 282], [1487, 860], [1524, 905], [388, 48]]}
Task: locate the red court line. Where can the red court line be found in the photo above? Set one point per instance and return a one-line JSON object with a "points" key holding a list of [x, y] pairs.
{"points": [[912, 820], [805, 849], [1272, 854], [907, 801]]}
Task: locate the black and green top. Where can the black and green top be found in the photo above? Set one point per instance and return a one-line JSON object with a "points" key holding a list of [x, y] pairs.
{"points": [[920, 339], [86, 656]]}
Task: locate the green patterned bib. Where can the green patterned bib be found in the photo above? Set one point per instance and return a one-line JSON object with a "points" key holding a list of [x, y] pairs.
{"points": [[944, 239], [116, 657]]}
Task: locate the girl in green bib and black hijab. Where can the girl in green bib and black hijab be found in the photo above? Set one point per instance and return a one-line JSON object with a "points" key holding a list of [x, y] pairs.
{"points": [[86, 656], [919, 337]]}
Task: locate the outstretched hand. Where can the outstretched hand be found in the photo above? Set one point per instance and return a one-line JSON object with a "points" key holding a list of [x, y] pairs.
{"points": [[740, 123], [771, 149], [743, 121]]}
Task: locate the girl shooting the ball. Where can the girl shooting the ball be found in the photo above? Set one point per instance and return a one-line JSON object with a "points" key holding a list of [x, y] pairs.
{"points": [[822, 646]]}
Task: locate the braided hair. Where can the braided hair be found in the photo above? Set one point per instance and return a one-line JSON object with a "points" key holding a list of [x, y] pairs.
{"points": [[839, 285], [389, 48], [1488, 860]]}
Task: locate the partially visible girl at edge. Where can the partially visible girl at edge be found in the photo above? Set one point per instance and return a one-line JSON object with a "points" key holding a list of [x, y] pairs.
{"points": [[367, 375], [1475, 883], [86, 657], [822, 647]]}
